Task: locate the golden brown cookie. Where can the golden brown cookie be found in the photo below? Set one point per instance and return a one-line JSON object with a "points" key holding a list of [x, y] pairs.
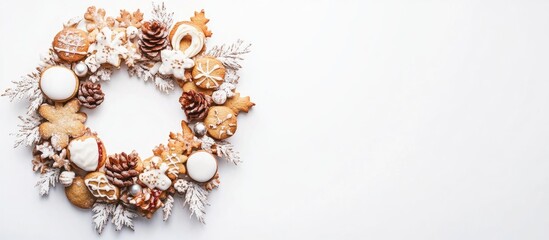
{"points": [[221, 122], [239, 104], [101, 188], [208, 73], [71, 44], [63, 121], [78, 194], [58, 83], [190, 86], [188, 38], [171, 157], [87, 153]]}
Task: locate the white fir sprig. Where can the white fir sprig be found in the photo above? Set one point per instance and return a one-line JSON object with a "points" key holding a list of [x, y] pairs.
{"points": [[101, 214], [167, 209], [102, 74], [195, 197], [27, 87], [226, 150], [161, 14], [47, 180], [122, 217], [28, 130], [230, 55], [164, 84], [148, 71]]}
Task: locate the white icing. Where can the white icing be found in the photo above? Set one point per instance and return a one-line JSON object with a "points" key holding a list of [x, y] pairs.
{"points": [[201, 166], [58, 83], [156, 178], [85, 153], [70, 41], [174, 63], [197, 41], [100, 187], [206, 74]]}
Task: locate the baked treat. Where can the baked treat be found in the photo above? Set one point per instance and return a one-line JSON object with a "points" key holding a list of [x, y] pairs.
{"points": [[173, 157], [71, 44], [208, 72], [155, 176], [78, 194], [188, 38], [185, 142], [101, 188], [88, 153], [191, 86], [62, 121], [221, 122], [201, 166], [58, 83], [239, 104]]}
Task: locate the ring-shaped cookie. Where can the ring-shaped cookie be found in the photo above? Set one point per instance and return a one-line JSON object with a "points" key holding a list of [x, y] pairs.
{"points": [[197, 42]]}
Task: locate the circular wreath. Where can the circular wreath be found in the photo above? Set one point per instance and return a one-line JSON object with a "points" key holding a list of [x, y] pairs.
{"points": [[120, 186]]}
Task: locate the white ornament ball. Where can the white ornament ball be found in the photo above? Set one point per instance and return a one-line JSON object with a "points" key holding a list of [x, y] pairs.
{"points": [[199, 129], [131, 32], [66, 178], [59, 83], [135, 189], [201, 166], [219, 97], [80, 69]]}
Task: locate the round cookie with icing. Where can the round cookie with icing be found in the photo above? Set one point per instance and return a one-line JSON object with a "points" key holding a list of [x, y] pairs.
{"points": [[71, 44], [208, 73], [201, 166], [221, 122], [187, 38], [87, 153], [58, 83]]}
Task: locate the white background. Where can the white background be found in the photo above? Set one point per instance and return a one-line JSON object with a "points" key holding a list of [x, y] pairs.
{"points": [[374, 120]]}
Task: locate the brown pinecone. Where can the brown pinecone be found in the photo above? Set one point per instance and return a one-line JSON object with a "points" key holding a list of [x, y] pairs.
{"points": [[195, 105], [90, 94], [148, 201], [120, 169], [153, 40]]}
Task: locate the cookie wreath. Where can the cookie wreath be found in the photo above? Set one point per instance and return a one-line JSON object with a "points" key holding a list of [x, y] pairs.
{"points": [[121, 186]]}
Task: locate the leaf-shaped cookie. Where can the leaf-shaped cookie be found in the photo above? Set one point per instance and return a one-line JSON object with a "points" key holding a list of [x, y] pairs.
{"points": [[239, 104], [201, 20]]}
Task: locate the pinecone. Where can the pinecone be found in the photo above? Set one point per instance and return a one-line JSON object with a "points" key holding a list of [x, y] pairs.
{"points": [[120, 169], [195, 105], [148, 201], [153, 40], [90, 94]]}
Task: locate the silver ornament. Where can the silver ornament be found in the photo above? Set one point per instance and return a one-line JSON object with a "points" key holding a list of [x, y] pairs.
{"points": [[199, 129], [80, 69], [219, 97], [135, 189]]}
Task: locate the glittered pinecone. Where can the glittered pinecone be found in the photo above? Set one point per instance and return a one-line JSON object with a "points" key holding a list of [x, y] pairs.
{"points": [[90, 94], [153, 40], [120, 169], [195, 105], [148, 201]]}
